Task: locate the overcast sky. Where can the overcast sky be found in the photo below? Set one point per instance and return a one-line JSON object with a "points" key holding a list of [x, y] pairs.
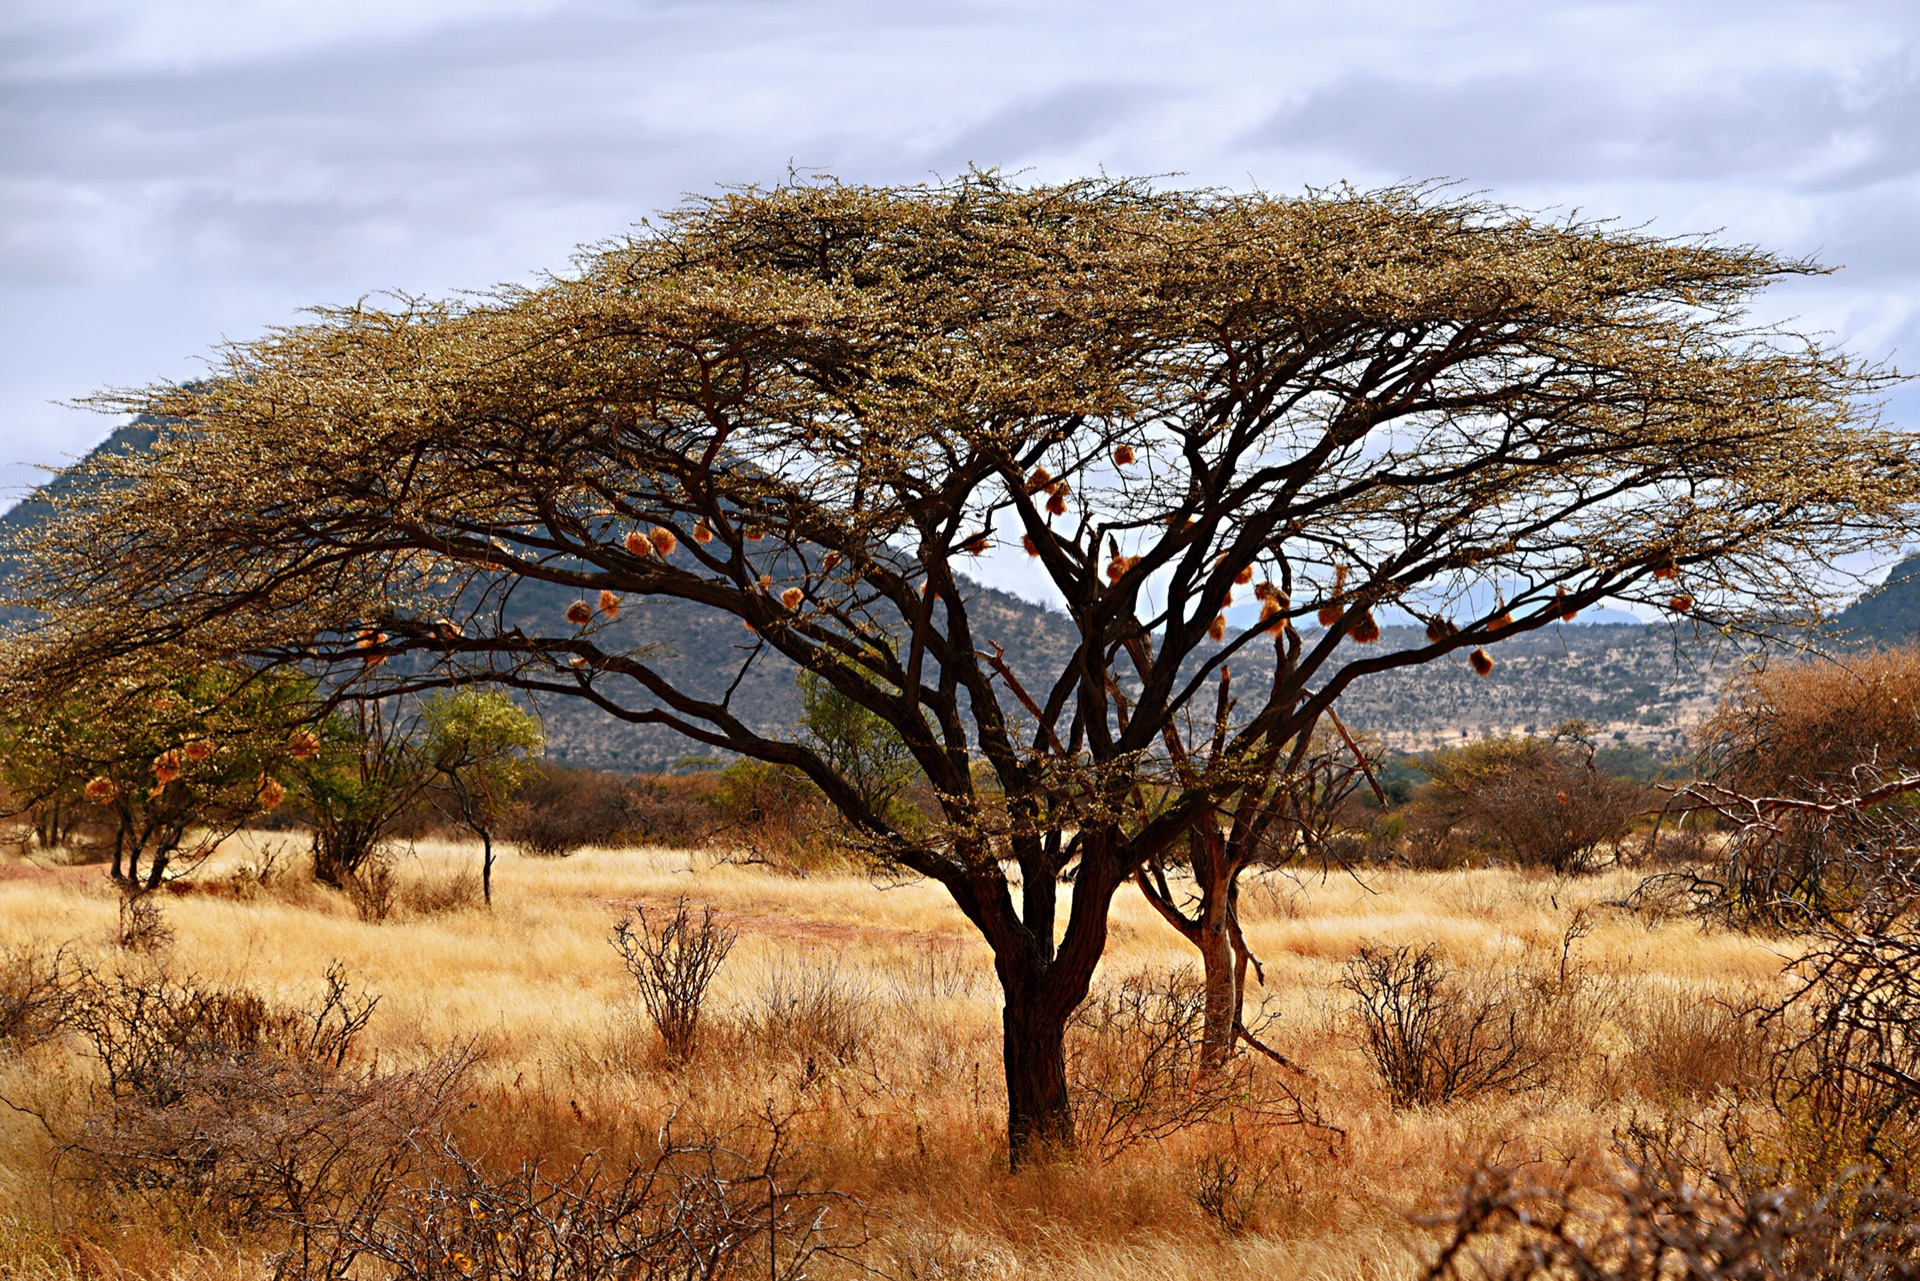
{"points": [[175, 173]]}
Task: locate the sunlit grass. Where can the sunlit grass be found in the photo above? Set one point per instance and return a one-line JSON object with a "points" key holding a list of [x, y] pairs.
{"points": [[912, 1121]]}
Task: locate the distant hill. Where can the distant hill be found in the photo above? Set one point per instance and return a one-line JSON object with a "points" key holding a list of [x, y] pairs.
{"points": [[1633, 683], [1890, 613]]}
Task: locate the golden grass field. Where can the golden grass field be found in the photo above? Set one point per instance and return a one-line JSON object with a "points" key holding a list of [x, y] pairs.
{"points": [[901, 1105]]}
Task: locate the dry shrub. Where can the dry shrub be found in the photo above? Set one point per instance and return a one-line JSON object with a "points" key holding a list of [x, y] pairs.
{"points": [[1536, 801], [1794, 754], [1238, 1188], [38, 989], [678, 811], [150, 1032], [263, 875], [561, 809], [1789, 869], [1670, 896], [777, 818], [1433, 1040], [706, 1206], [1793, 864], [1801, 729], [143, 927], [1661, 1222], [1687, 1047], [1137, 1074], [1813, 1178], [438, 895], [813, 1013], [217, 1108], [673, 961], [1847, 1077], [373, 888], [1686, 843]]}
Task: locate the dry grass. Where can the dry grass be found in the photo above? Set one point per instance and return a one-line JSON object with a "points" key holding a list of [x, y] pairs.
{"points": [[873, 1014]]}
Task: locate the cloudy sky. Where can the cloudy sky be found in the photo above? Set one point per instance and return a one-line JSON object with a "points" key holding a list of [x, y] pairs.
{"points": [[178, 172]]}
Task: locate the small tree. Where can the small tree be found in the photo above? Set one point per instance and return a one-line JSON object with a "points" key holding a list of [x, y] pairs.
{"points": [[804, 411], [481, 743], [360, 772], [859, 745], [1540, 801], [175, 763], [1269, 820]]}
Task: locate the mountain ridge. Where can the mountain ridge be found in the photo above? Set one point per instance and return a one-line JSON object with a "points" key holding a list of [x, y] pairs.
{"points": [[1643, 684]]}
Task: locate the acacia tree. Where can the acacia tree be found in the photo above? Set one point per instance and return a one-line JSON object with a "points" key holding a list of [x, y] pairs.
{"points": [[481, 744], [176, 763], [809, 407]]}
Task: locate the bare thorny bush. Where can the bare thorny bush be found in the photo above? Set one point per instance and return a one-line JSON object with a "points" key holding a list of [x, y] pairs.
{"points": [[38, 989], [1811, 769], [1654, 1223], [705, 1206], [1434, 1039], [1814, 1177], [212, 1110], [1139, 1074], [673, 962], [218, 1111], [143, 927], [1790, 863]]}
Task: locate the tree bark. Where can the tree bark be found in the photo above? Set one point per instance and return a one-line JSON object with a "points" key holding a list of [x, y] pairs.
{"points": [[326, 869], [1033, 1050], [1220, 979], [486, 866]]}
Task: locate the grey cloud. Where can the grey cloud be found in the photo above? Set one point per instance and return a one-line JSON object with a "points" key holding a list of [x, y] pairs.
{"points": [[1567, 124], [210, 193], [320, 155], [1048, 123]]}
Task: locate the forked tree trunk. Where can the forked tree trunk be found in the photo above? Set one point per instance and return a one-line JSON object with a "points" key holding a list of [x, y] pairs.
{"points": [[1220, 979], [326, 867], [1223, 963], [1033, 1050], [341, 849]]}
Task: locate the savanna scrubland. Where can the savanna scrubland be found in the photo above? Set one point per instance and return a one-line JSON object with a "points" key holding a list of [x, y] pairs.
{"points": [[864, 1022], [1511, 1032]]}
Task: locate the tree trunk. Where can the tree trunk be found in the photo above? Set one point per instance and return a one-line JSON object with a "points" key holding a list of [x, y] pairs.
{"points": [[1220, 975], [339, 851], [1211, 931], [1033, 1049], [486, 866]]}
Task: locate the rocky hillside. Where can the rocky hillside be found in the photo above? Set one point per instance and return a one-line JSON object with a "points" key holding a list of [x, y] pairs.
{"points": [[1890, 613], [1634, 684]]}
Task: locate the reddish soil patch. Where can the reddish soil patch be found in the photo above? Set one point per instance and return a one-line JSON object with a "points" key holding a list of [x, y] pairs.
{"points": [[74, 874], [801, 929]]}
